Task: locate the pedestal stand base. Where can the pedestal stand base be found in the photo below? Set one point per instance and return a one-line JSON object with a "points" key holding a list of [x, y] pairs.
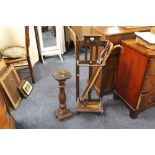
{"points": [[90, 106], [61, 116]]}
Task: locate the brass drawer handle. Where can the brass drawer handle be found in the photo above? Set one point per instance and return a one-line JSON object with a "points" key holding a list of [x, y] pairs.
{"points": [[150, 101]]}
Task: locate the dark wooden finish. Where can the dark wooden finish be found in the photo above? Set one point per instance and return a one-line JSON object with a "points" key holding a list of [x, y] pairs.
{"points": [[61, 76], [106, 80], [135, 82], [44, 28], [26, 58], [38, 42], [151, 66], [6, 119], [77, 55], [147, 100], [149, 84], [53, 30]]}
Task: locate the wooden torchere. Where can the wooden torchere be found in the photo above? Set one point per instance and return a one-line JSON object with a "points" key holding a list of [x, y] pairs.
{"points": [[62, 112]]}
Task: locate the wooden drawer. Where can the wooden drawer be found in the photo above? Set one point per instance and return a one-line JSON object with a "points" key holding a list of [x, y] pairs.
{"points": [[149, 84], [147, 100], [151, 67]]}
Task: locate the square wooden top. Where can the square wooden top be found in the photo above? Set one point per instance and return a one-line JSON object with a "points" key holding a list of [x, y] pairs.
{"points": [[118, 30], [139, 48]]}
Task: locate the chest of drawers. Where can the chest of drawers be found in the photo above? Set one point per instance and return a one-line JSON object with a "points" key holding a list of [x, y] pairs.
{"points": [[135, 81]]}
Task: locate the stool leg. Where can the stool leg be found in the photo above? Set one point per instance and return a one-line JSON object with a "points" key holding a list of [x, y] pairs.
{"points": [[62, 97], [62, 112]]}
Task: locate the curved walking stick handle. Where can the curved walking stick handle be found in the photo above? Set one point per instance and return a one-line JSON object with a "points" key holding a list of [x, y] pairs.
{"points": [[118, 46]]}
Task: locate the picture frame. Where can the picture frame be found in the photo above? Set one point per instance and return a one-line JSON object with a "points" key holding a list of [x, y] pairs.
{"points": [[25, 88], [10, 82], [20, 88]]}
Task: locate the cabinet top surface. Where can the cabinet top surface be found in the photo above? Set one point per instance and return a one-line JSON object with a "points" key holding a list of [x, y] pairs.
{"points": [[139, 48], [117, 30]]}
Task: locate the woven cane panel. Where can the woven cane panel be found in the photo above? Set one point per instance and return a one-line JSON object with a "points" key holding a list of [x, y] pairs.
{"points": [[12, 86]]}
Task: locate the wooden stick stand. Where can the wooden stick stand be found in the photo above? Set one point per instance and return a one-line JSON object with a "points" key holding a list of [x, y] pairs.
{"points": [[62, 112], [89, 104]]}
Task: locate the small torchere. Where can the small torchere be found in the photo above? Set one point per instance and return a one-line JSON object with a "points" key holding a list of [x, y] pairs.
{"points": [[61, 76]]}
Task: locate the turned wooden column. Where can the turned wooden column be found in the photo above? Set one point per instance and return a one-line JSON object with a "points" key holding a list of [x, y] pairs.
{"points": [[62, 112]]}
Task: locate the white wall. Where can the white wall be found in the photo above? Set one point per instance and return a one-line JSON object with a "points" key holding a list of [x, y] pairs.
{"points": [[15, 36]]}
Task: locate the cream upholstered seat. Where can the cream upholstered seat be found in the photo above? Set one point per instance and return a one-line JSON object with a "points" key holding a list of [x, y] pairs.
{"points": [[13, 52]]}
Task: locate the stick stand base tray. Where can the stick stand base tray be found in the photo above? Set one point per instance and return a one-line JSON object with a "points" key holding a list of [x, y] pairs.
{"points": [[90, 106]]}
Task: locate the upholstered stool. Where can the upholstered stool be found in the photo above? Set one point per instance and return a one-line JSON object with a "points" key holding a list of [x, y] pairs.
{"points": [[61, 76]]}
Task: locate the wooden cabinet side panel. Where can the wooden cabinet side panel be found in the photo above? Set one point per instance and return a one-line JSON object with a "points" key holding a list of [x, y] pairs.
{"points": [[130, 75], [106, 78], [109, 72]]}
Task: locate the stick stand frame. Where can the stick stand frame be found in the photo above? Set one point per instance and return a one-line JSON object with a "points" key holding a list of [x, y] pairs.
{"points": [[85, 102]]}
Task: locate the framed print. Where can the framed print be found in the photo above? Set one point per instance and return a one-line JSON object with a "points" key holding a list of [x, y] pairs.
{"points": [[20, 88], [10, 82], [25, 88]]}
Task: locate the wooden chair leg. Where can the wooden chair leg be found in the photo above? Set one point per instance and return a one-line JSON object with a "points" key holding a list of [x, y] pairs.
{"points": [[31, 71]]}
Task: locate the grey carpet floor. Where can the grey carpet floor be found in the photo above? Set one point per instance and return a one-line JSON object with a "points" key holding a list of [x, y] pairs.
{"points": [[37, 111]]}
